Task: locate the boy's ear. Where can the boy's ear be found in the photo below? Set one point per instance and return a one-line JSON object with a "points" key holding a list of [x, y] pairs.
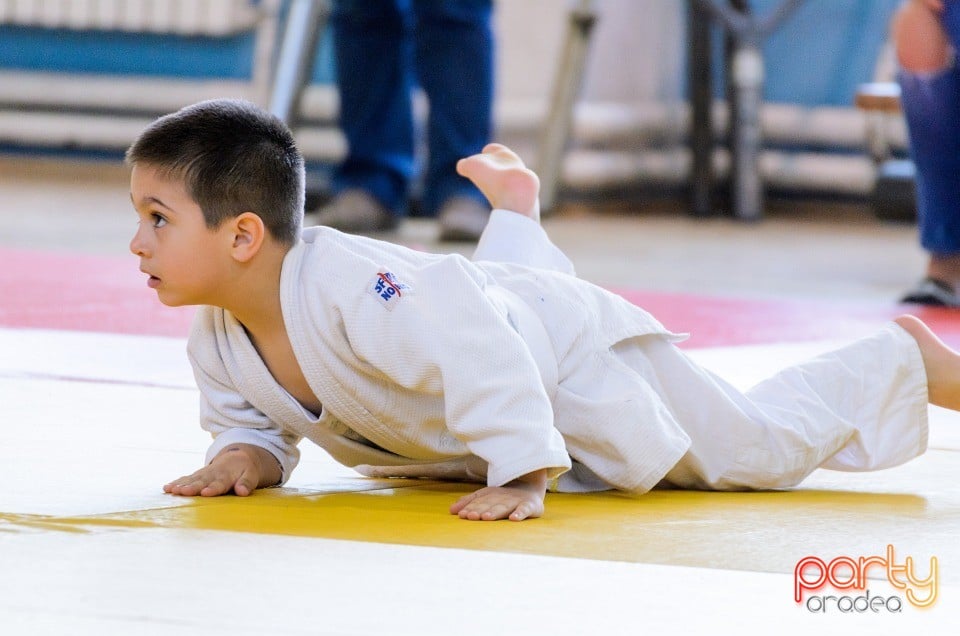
{"points": [[249, 234]]}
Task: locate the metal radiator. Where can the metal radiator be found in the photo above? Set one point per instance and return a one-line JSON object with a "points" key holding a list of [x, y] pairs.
{"points": [[48, 107], [186, 17]]}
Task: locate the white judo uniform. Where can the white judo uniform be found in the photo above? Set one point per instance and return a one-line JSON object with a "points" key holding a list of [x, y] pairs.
{"points": [[434, 366]]}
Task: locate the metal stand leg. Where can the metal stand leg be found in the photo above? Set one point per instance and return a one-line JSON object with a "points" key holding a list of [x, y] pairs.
{"points": [[747, 77], [745, 96], [306, 19], [566, 86], [701, 100]]}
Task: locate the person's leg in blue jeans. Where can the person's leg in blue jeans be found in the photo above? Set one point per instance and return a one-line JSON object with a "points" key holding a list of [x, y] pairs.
{"points": [[373, 47], [384, 47], [930, 85], [453, 53]]}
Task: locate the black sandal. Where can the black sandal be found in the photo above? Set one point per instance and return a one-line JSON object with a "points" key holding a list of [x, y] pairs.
{"points": [[932, 291]]}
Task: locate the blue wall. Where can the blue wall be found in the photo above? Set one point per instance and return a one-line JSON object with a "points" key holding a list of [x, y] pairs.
{"points": [[125, 53], [62, 50], [824, 50], [818, 56]]}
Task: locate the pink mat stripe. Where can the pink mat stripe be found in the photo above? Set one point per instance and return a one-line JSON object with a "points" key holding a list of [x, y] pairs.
{"points": [[53, 290]]}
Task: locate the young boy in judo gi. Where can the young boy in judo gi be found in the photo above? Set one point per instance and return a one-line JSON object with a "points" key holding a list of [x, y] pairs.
{"points": [[507, 370]]}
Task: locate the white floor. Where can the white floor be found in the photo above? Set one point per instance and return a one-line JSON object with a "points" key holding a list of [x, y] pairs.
{"points": [[89, 431]]}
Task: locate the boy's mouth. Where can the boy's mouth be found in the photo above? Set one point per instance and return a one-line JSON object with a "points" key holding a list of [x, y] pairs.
{"points": [[152, 281]]}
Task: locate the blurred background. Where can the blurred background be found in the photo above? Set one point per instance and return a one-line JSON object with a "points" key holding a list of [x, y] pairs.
{"points": [[84, 76], [80, 78]]}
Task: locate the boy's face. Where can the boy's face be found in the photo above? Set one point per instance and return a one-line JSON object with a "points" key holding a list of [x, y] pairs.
{"points": [[185, 260]]}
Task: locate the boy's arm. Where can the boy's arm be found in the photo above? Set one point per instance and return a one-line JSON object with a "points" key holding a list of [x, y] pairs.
{"points": [[233, 422], [445, 334]]}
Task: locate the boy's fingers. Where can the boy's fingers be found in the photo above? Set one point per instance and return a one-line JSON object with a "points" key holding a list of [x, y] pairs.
{"points": [[492, 504], [522, 512], [244, 485], [206, 482], [214, 488], [180, 481], [186, 486], [497, 511], [489, 504], [218, 478], [486, 509], [485, 513], [462, 502]]}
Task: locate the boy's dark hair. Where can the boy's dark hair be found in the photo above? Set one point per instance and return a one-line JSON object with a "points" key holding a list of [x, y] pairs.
{"points": [[233, 157]]}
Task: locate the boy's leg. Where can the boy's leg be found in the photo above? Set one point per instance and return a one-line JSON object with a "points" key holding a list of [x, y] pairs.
{"points": [[863, 407], [513, 234], [518, 240]]}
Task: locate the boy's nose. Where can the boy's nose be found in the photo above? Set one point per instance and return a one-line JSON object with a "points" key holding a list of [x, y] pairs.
{"points": [[137, 244]]}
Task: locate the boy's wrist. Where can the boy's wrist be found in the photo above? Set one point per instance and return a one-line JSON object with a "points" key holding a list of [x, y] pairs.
{"points": [[271, 472], [266, 463], [535, 481]]}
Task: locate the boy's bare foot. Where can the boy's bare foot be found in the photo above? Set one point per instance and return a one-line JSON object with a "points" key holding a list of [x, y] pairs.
{"points": [[940, 361], [501, 176]]}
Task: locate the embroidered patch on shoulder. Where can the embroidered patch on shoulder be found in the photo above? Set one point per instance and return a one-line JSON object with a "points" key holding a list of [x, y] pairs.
{"points": [[388, 289]]}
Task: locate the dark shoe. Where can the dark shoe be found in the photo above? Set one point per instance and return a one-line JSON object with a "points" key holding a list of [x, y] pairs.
{"points": [[932, 291], [357, 212], [462, 219]]}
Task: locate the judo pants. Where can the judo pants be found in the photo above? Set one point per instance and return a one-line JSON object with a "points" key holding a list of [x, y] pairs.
{"points": [[860, 408]]}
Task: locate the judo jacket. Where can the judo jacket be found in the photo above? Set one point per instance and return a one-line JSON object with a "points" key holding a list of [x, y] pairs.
{"points": [[435, 366]]}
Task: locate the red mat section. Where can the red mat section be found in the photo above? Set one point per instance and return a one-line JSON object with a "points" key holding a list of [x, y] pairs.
{"points": [[717, 321], [52, 290]]}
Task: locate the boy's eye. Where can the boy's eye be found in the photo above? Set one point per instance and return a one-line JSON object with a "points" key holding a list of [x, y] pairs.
{"points": [[158, 221]]}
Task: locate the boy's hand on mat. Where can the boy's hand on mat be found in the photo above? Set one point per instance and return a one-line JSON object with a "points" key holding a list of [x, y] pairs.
{"points": [[520, 499], [241, 468]]}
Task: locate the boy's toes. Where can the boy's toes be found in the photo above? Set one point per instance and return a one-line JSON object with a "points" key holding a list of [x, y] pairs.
{"points": [[494, 147], [501, 156], [468, 165]]}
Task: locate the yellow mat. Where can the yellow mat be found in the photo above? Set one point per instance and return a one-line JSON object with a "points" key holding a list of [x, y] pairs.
{"points": [[834, 514]]}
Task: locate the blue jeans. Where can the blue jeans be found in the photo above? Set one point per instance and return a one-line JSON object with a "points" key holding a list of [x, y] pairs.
{"points": [[931, 105], [384, 48]]}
